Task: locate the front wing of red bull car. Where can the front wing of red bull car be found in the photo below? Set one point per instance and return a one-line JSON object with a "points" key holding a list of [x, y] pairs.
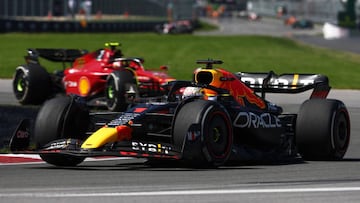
{"points": [[216, 118]]}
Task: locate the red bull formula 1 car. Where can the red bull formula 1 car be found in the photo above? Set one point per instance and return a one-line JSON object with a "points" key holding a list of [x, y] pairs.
{"points": [[218, 117], [101, 77]]}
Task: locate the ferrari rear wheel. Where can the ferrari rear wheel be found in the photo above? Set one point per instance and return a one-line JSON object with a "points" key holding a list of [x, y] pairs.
{"points": [[60, 117], [323, 129], [31, 84], [203, 132], [121, 90]]}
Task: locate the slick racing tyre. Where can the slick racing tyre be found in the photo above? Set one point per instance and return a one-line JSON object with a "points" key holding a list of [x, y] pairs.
{"points": [[64, 160], [203, 132], [322, 129], [31, 84], [121, 90], [60, 117]]}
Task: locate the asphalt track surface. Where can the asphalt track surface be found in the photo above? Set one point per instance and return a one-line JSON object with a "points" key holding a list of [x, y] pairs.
{"points": [[275, 27], [129, 180]]}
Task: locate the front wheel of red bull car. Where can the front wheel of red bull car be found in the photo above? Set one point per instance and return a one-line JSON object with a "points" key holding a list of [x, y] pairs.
{"points": [[58, 119], [203, 131]]}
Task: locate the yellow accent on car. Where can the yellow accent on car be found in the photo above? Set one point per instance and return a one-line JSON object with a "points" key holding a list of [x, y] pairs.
{"points": [[100, 137], [295, 81], [110, 44]]}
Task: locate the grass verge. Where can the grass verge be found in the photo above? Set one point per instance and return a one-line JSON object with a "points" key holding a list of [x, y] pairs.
{"points": [[179, 52]]}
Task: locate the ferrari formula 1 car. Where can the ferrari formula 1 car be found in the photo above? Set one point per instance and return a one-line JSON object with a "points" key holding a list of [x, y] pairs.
{"points": [[102, 77], [176, 27], [216, 118]]}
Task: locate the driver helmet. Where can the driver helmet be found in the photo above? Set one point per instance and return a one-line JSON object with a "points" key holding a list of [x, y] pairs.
{"points": [[192, 91]]}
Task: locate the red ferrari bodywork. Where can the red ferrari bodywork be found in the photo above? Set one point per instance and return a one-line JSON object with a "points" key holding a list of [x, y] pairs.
{"points": [[87, 77]]}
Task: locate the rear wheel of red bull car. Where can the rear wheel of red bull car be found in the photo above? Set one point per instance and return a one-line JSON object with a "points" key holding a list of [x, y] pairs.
{"points": [[322, 129]]}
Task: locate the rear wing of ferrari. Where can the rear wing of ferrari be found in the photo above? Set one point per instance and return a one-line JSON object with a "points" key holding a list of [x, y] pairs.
{"points": [[55, 55], [286, 83]]}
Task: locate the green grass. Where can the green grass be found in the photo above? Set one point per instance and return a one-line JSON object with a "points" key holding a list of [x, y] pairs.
{"points": [[239, 53]]}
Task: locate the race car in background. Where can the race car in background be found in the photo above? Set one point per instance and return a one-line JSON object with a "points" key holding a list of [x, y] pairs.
{"points": [[217, 117], [175, 27], [299, 23], [102, 77]]}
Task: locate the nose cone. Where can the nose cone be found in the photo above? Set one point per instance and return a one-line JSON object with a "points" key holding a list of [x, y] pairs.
{"points": [[107, 135]]}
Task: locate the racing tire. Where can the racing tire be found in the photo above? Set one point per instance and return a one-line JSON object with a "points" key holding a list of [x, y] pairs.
{"points": [[121, 89], [61, 117], [31, 84], [322, 129], [64, 160], [203, 132]]}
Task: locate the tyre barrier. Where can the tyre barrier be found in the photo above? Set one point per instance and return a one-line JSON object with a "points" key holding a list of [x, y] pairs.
{"points": [[10, 25]]}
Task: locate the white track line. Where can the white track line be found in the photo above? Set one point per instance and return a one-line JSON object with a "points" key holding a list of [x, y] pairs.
{"points": [[185, 192]]}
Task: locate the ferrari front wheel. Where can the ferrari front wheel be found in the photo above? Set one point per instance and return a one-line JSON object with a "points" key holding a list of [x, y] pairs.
{"points": [[121, 90]]}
